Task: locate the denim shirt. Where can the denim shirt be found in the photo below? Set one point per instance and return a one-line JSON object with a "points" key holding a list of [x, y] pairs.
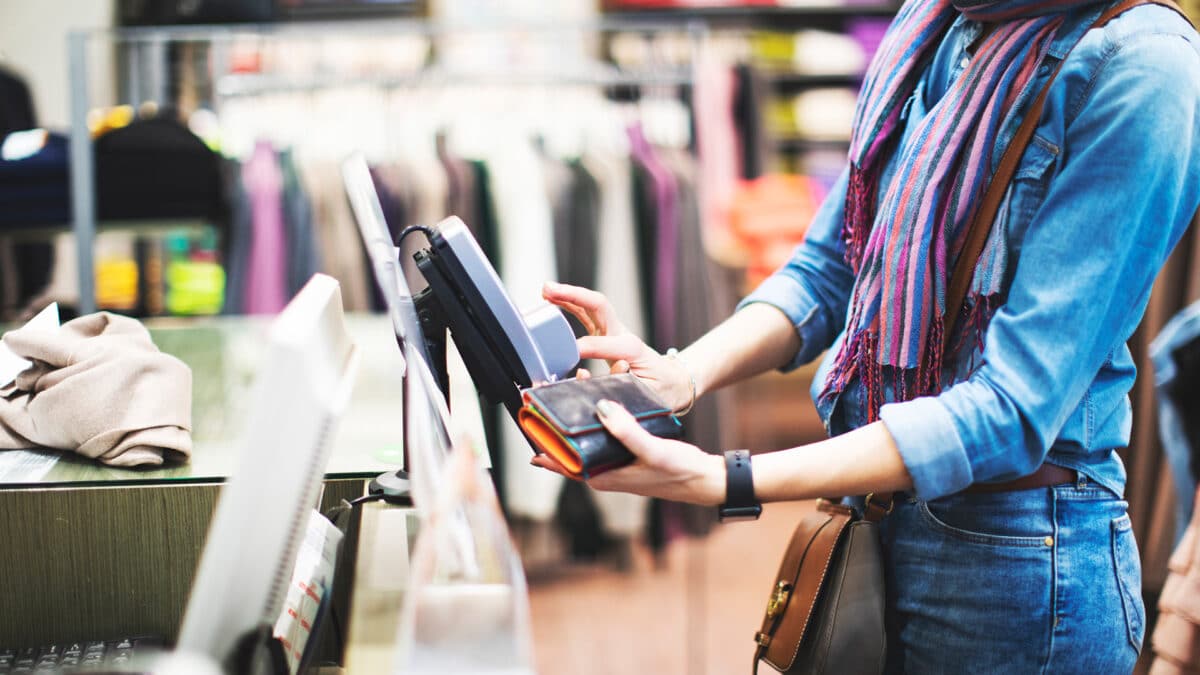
{"points": [[1101, 195]]}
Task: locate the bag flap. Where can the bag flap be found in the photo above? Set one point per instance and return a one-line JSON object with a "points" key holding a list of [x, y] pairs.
{"points": [[570, 405], [801, 577]]}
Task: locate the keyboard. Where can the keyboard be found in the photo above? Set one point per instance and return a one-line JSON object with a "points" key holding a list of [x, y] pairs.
{"points": [[76, 656]]}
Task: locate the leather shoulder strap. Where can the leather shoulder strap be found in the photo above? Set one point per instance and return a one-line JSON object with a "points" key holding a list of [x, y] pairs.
{"points": [[981, 226]]}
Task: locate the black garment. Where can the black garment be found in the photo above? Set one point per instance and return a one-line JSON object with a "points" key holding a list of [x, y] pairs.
{"points": [[238, 241], [1185, 394], [36, 190], [750, 94], [157, 168], [645, 221], [16, 104], [33, 191], [487, 230], [578, 521], [576, 225]]}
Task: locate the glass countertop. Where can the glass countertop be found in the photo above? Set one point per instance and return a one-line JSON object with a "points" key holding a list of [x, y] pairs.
{"points": [[223, 353]]}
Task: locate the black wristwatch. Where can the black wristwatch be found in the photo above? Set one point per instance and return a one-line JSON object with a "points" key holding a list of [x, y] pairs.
{"points": [[740, 503]]}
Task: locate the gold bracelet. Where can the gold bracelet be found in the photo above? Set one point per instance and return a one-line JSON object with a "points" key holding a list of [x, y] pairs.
{"points": [[673, 354]]}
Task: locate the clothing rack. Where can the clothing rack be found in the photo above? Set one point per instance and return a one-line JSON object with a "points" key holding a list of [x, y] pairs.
{"points": [[147, 61]]}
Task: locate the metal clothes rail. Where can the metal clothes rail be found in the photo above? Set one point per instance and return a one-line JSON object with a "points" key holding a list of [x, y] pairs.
{"points": [[154, 41]]}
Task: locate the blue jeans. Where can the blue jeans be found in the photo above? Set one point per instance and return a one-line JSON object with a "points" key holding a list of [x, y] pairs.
{"points": [[1035, 581]]}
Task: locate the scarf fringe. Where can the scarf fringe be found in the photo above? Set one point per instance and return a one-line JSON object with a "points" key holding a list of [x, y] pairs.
{"points": [[861, 197], [859, 358]]}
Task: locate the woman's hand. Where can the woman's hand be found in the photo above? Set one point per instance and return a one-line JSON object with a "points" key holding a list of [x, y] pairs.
{"points": [[663, 468], [610, 340]]}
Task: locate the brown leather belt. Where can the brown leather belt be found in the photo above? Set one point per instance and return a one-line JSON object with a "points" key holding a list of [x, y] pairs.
{"points": [[1046, 475]]}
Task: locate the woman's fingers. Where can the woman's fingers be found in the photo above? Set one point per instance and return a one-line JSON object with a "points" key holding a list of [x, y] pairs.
{"points": [[589, 321], [625, 428], [593, 301], [619, 367], [551, 464], [611, 348], [583, 374]]}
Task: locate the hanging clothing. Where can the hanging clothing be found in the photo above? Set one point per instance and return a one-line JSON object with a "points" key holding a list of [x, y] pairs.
{"points": [[342, 254], [238, 241], [749, 102], [701, 306], [156, 168], [526, 245], [303, 259], [719, 159], [16, 104], [1177, 392], [660, 208], [461, 191], [266, 273], [617, 278], [35, 190]]}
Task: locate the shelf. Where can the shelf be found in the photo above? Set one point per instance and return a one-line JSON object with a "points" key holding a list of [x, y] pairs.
{"points": [[759, 16], [794, 146], [138, 226], [254, 84], [782, 79]]}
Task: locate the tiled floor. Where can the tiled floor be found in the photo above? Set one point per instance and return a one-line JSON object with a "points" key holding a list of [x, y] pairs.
{"points": [[696, 616]]}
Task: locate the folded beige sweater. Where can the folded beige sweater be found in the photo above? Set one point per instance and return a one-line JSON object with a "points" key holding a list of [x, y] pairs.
{"points": [[98, 386]]}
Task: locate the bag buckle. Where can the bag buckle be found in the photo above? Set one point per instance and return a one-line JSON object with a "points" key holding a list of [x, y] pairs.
{"points": [[779, 598], [762, 639], [884, 510]]}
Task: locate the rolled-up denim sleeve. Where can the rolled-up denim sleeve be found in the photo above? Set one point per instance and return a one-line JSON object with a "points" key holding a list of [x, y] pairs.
{"points": [[1126, 189], [813, 287]]}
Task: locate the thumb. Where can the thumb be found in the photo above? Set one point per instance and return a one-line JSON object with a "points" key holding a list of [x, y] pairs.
{"points": [[625, 428]]}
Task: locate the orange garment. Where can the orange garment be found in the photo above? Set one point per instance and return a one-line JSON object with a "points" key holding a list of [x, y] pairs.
{"points": [[1176, 639], [770, 216]]}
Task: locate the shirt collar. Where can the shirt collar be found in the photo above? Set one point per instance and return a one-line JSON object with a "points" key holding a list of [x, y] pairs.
{"points": [[1073, 29], [1068, 35]]}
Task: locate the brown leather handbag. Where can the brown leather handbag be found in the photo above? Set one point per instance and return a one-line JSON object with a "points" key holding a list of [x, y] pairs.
{"points": [[826, 610]]}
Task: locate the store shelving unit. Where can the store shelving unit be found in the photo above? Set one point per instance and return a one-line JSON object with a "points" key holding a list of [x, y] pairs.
{"points": [[743, 18], [146, 63], [774, 17]]}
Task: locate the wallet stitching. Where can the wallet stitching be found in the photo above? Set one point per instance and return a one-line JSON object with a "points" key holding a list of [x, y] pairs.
{"points": [[570, 430]]}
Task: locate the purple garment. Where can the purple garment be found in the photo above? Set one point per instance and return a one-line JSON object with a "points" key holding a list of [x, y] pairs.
{"points": [[666, 194], [266, 274]]}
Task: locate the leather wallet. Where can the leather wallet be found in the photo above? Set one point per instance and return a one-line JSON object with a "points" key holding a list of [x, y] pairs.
{"points": [[560, 420]]}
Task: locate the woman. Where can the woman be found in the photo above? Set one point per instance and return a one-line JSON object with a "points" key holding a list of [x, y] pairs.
{"points": [[1008, 548]]}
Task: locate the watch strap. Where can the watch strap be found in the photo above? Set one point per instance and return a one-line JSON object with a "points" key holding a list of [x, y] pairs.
{"points": [[740, 501]]}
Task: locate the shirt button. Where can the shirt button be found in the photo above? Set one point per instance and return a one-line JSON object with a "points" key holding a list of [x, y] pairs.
{"points": [[966, 61], [1049, 541], [1044, 69]]}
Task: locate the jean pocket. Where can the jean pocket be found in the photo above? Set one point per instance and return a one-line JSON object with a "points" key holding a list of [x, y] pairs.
{"points": [[1128, 571], [965, 532]]}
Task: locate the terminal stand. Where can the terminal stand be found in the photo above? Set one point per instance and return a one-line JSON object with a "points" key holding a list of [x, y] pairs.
{"points": [[477, 352], [258, 653]]}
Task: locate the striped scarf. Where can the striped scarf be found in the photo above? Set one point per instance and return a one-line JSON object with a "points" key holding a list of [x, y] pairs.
{"points": [[903, 247]]}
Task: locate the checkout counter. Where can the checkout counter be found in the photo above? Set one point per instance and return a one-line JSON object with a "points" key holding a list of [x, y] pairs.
{"points": [[96, 552]]}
